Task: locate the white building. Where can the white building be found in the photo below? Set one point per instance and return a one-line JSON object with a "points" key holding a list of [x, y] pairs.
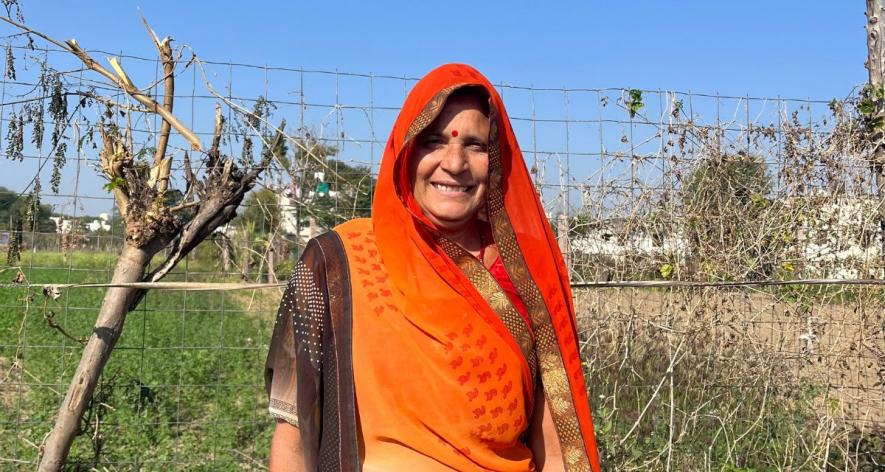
{"points": [[839, 238], [843, 238], [62, 225], [100, 224]]}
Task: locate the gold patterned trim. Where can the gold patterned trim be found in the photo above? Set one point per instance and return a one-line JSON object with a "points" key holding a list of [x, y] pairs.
{"points": [[491, 291], [552, 368], [553, 374], [284, 411], [429, 112]]}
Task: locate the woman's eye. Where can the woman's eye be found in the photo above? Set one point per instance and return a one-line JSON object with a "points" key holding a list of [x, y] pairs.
{"points": [[432, 142], [477, 146]]}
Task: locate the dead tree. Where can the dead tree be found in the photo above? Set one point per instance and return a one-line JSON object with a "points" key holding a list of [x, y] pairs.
{"points": [[151, 224]]}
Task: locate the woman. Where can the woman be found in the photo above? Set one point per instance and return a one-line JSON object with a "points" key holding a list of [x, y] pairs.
{"points": [[439, 334]]}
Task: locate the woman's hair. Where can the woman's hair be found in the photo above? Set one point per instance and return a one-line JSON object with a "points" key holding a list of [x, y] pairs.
{"points": [[472, 91]]}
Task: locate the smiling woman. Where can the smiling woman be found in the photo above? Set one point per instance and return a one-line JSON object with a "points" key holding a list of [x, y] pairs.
{"points": [[449, 168], [440, 333]]}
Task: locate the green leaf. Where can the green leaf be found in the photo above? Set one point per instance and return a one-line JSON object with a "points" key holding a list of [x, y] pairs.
{"points": [[677, 108], [115, 183], [634, 103]]}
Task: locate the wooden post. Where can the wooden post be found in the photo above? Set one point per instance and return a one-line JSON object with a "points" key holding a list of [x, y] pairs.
{"points": [[565, 247], [225, 253], [876, 66], [271, 261], [246, 264], [874, 41]]}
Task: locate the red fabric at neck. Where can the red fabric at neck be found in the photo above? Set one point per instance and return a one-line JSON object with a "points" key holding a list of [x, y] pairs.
{"points": [[500, 274]]}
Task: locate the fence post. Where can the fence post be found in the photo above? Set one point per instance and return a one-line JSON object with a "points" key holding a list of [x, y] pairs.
{"points": [[876, 67], [562, 239]]}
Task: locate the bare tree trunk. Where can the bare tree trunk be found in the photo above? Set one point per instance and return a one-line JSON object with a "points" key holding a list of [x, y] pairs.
{"points": [[108, 327]]}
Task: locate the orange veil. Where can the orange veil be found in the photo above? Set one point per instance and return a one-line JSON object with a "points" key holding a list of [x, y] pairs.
{"points": [[428, 284]]}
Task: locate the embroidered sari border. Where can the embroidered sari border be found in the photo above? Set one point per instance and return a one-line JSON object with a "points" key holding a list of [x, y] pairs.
{"points": [[554, 377], [484, 283], [547, 355]]}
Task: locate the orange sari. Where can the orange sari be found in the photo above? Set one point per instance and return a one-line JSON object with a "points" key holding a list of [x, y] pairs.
{"points": [[444, 366]]}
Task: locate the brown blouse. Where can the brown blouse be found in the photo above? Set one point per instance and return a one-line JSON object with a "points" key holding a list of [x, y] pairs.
{"points": [[312, 336]]}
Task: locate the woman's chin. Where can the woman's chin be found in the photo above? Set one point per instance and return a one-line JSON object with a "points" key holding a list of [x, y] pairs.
{"points": [[451, 221]]}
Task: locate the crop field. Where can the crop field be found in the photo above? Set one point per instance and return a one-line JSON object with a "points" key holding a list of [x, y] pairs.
{"points": [[183, 388]]}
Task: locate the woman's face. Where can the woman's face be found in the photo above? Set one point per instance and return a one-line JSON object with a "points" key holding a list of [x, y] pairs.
{"points": [[450, 165]]}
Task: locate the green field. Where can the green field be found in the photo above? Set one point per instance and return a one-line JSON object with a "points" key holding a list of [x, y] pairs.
{"points": [[182, 390]]}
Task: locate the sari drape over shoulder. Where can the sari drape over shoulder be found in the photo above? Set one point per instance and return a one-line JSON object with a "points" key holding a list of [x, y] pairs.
{"points": [[445, 362]]}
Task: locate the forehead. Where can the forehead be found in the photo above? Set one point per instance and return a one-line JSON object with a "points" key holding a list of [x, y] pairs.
{"points": [[473, 105]]}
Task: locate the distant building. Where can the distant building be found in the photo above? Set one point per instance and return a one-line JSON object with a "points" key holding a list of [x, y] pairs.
{"points": [[841, 239], [62, 225], [607, 238], [101, 224], [838, 238], [306, 227]]}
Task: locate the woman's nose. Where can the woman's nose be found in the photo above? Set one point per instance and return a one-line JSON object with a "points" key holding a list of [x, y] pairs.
{"points": [[455, 159]]}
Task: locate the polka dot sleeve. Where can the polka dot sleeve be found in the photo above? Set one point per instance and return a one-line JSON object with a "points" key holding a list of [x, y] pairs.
{"points": [[294, 358]]}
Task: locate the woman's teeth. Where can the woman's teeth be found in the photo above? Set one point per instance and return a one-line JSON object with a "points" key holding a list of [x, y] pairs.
{"points": [[450, 188]]}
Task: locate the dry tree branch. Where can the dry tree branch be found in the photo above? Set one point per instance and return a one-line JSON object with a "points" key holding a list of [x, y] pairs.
{"points": [[49, 316], [189, 179], [220, 206], [120, 79], [673, 361], [236, 106], [113, 158], [164, 49], [184, 206], [124, 83]]}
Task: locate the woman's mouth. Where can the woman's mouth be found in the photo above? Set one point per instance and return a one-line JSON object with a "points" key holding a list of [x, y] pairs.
{"points": [[444, 188]]}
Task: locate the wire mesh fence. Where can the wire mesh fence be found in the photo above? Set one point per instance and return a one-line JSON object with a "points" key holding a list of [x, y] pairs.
{"points": [[639, 185]]}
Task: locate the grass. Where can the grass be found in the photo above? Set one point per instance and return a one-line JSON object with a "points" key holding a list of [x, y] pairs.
{"points": [[184, 387], [182, 390]]}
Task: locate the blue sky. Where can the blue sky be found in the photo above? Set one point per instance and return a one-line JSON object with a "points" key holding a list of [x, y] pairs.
{"points": [[788, 48], [811, 48]]}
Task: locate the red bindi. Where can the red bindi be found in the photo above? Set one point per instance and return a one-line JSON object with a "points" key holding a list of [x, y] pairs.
{"points": [[454, 133]]}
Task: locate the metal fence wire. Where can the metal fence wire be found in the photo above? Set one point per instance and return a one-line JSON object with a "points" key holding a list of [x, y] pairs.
{"points": [[689, 192]]}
